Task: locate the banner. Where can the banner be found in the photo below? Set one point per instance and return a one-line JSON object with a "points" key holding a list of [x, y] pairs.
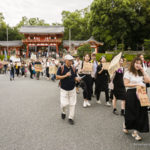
{"points": [[52, 69], [38, 67], [142, 96]]}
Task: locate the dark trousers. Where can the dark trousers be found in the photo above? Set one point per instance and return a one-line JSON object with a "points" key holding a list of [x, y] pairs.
{"points": [[98, 93], [17, 72], [31, 74], [87, 87], [93, 81], [47, 72], [38, 75]]}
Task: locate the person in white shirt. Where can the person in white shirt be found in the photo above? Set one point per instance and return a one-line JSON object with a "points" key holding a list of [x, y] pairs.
{"points": [[136, 116], [78, 66]]}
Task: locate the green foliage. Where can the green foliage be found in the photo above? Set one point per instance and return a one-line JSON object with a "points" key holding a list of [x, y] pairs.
{"points": [[77, 22], [108, 56], [84, 49], [31, 22], [129, 57], [120, 21], [147, 44], [3, 56]]}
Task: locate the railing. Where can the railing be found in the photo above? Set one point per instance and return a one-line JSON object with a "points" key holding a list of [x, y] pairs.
{"points": [[38, 40]]}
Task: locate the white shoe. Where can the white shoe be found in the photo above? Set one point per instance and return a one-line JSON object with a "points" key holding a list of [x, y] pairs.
{"points": [[84, 104], [99, 102], [108, 104], [87, 103]]}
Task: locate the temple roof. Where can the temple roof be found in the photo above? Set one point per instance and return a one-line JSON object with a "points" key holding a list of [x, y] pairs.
{"points": [[75, 43], [78, 43], [11, 43], [42, 29], [91, 39]]}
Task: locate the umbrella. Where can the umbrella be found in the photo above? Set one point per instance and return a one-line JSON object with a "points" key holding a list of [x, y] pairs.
{"points": [[114, 65]]}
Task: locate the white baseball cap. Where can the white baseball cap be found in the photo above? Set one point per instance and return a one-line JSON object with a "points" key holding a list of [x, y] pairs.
{"points": [[68, 57]]}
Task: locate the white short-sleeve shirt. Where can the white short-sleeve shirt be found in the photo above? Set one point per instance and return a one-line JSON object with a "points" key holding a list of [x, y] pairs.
{"points": [[134, 79]]}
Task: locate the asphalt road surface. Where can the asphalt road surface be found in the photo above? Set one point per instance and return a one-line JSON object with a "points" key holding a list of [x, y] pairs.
{"points": [[30, 120]]}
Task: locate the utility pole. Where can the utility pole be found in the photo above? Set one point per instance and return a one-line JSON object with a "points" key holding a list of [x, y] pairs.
{"points": [[7, 43], [69, 39]]}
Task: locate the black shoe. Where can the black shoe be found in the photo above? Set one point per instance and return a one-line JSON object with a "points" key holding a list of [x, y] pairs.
{"points": [[71, 121], [115, 112], [122, 113], [63, 116]]}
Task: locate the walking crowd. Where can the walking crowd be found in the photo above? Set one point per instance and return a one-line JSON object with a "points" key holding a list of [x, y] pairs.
{"points": [[72, 75]]}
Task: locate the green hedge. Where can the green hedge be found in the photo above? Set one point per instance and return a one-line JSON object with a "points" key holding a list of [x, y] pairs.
{"points": [[110, 56], [3, 56]]}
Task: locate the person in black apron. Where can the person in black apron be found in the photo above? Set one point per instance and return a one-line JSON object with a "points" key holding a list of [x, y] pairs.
{"points": [[119, 91], [102, 80]]}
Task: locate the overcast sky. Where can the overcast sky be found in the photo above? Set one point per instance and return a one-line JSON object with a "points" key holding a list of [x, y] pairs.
{"points": [[49, 10]]}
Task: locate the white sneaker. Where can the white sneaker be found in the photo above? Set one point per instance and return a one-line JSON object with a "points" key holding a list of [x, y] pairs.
{"points": [[88, 103], [98, 102], [84, 104], [108, 104]]}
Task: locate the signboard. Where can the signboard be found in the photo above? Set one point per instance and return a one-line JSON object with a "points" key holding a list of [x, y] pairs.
{"points": [[19, 64], [87, 67], [38, 67], [142, 96], [106, 65], [52, 69]]}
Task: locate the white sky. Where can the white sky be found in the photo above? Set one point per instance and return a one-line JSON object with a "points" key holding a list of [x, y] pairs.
{"points": [[49, 10]]}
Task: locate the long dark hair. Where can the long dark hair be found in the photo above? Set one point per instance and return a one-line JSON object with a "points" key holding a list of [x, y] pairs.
{"points": [[88, 55], [132, 68]]}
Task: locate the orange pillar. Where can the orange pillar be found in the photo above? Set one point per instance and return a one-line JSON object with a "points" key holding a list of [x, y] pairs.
{"points": [[57, 50], [27, 53], [17, 52]]}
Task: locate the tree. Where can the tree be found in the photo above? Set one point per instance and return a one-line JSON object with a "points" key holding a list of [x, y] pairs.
{"points": [[120, 22], [84, 49], [77, 22], [31, 22]]}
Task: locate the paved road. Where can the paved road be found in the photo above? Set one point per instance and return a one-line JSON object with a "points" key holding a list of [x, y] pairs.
{"points": [[30, 120]]}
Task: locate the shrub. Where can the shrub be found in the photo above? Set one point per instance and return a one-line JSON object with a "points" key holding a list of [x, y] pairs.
{"points": [[2, 57], [108, 56]]}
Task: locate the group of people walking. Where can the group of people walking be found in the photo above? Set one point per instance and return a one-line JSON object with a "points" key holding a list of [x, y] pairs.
{"points": [[120, 86]]}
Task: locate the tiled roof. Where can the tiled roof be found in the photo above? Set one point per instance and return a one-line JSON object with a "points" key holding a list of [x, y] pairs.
{"points": [[42, 29], [11, 43], [91, 39], [75, 43]]}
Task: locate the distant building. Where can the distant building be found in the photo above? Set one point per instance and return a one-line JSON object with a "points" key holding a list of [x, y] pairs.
{"points": [[75, 44], [11, 47], [43, 39]]}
